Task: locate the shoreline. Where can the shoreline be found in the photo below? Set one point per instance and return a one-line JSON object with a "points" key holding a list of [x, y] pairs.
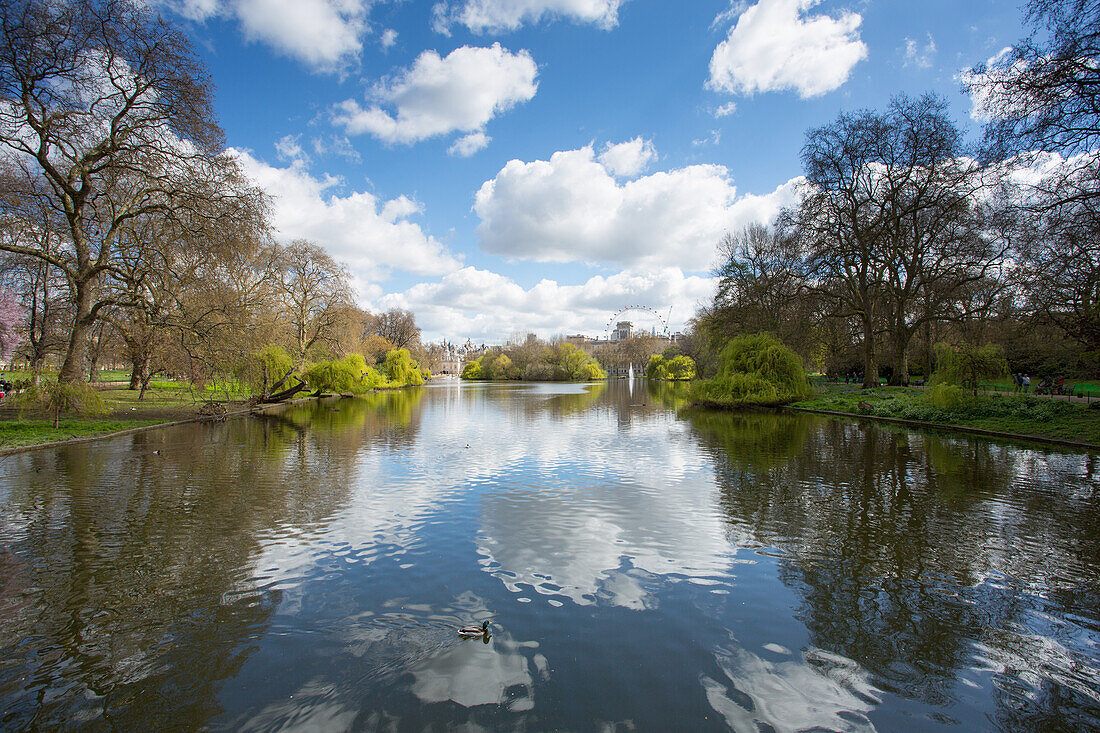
{"points": [[1019, 437], [1024, 437], [14, 450]]}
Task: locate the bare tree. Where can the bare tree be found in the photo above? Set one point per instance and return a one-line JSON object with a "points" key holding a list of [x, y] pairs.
{"points": [[1045, 96], [396, 326], [106, 114], [314, 292], [892, 222], [838, 226]]}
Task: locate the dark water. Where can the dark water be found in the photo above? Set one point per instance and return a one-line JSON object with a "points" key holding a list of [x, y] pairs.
{"points": [[645, 569]]}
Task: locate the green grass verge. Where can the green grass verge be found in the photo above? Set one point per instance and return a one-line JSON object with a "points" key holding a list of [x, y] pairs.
{"points": [[18, 433], [164, 402], [1022, 415]]}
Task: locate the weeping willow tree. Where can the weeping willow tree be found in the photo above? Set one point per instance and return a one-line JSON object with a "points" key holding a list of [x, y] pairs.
{"points": [[967, 365], [754, 370]]}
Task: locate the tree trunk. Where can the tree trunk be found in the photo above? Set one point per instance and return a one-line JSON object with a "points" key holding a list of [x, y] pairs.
{"points": [[929, 357], [139, 377], [72, 369], [900, 377], [36, 368], [870, 364]]}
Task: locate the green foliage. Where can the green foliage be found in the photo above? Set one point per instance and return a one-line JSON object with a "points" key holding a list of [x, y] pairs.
{"points": [[78, 398], [402, 370], [261, 369], [945, 396], [351, 375], [679, 367], [656, 368], [500, 367], [754, 370], [562, 362], [348, 375], [473, 370], [589, 371], [967, 365]]}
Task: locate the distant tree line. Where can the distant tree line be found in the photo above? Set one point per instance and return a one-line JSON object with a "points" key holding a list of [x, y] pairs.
{"points": [[904, 235], [128, 235], [533, 359]]}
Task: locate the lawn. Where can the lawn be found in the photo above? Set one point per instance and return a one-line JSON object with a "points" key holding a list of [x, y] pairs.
{"points": [[164, 401], [34, 431], [1023, 415]]}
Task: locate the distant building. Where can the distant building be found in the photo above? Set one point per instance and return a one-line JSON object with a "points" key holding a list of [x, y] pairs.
{"points": [[454, 357], [623, 331]]}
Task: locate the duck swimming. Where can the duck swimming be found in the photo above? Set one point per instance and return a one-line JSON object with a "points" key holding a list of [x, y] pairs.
{"points": [[475, 632]]}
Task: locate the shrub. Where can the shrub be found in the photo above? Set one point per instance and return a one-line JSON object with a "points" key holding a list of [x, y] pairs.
{"points": [[500, 367], [350, 374], [562, 362], [589, 372], [538, 371], [402, 370], [946, 396], [754, 370]]}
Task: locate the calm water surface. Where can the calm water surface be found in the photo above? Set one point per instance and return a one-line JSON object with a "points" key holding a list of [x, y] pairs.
{"points": [[645, 568]]}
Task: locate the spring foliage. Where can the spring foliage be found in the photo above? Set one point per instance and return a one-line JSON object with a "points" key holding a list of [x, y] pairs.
{"points": [[261, 369], [676, 369], [402, 370], [60, 397], [350, 375], [562, 362], [754, 370], [967, 365]]}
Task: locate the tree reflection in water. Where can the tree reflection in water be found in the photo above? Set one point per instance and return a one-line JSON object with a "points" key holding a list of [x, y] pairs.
{"points": [[143, 603], [640, 561], [929, 560]]}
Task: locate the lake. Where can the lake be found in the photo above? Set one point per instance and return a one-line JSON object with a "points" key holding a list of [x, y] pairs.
{"points": [[644, 567]]}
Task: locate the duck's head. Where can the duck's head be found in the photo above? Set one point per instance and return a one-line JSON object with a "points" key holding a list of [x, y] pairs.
{"points": [[485, 626]]}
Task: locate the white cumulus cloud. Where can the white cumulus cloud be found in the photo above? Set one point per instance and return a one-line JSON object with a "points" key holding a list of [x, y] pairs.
{"points": [[489, 307], [508, 15], [985, 86], [467, 145], [438, 95], [324, 34], [628, 159], [775, 45], [372, 236], [571, 208]]}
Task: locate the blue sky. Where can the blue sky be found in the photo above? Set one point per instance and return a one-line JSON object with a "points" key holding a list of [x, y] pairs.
{"points": [[504, 166]]}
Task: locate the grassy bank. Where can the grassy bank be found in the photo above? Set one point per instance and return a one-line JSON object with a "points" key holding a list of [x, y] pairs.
{"points": [[36, 431], [1022, 415], [164, 402]]}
